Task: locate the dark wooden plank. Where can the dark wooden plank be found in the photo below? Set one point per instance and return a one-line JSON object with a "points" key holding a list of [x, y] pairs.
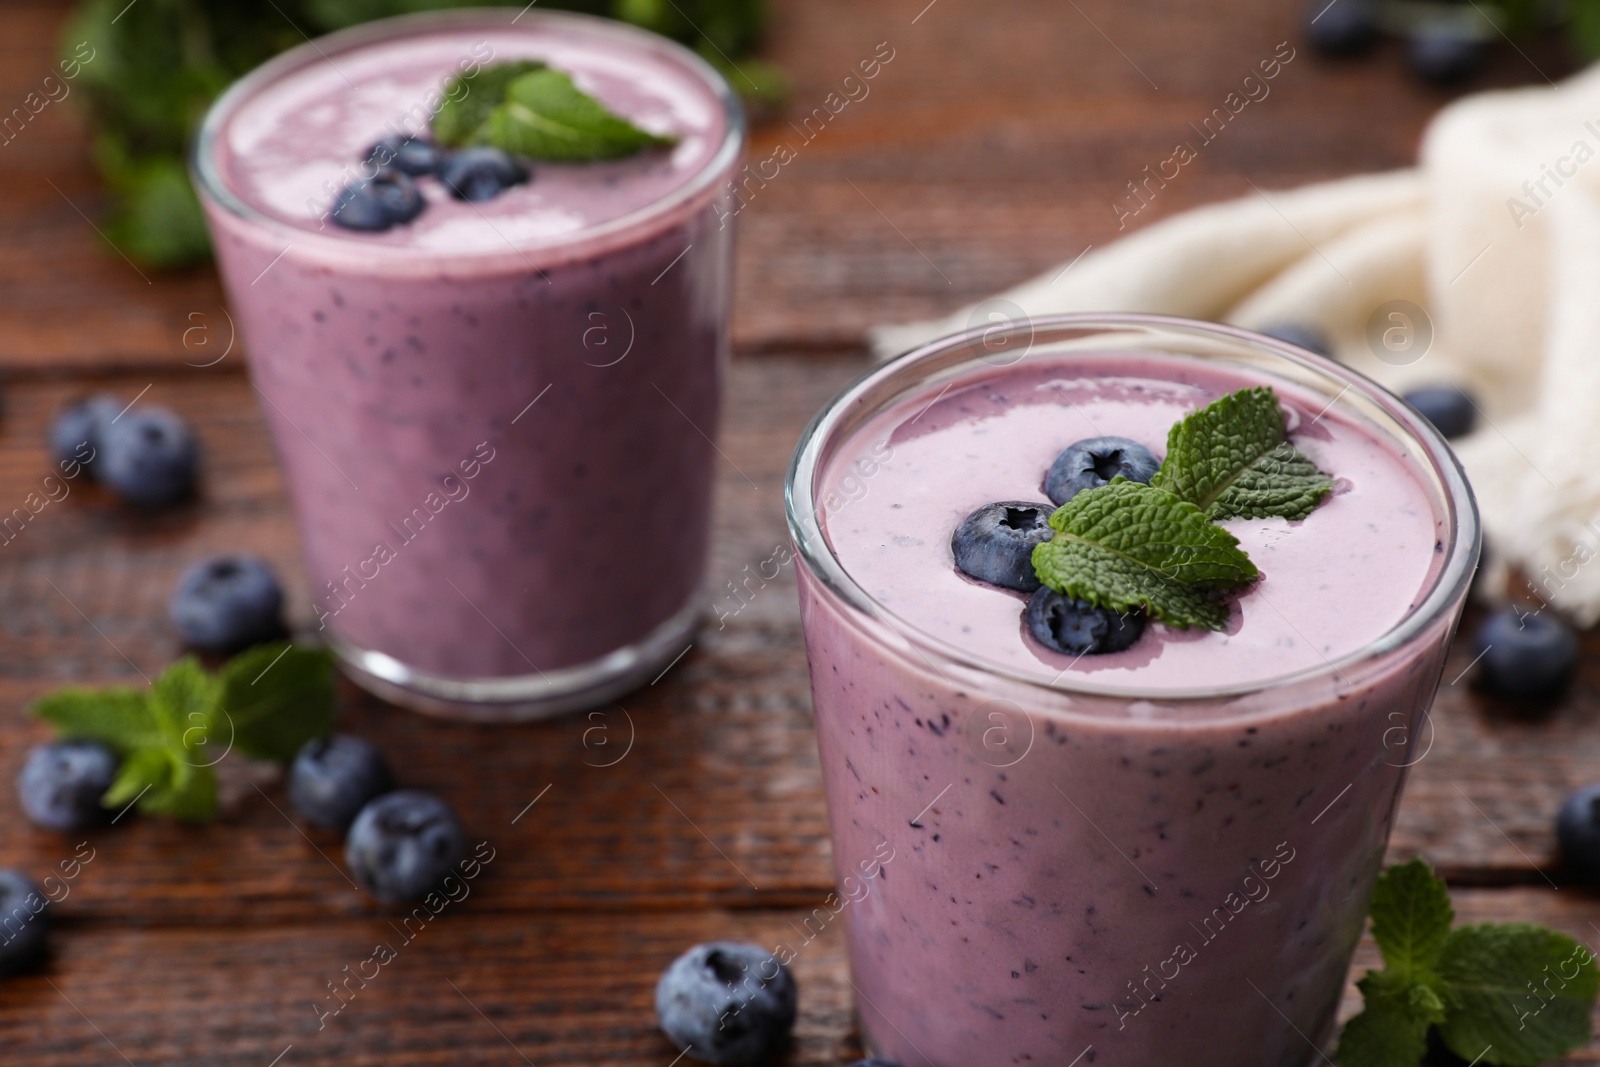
{"points": [[553, 987]]}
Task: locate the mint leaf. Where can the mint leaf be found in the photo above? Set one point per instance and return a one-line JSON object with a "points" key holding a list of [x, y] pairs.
{"points": [[275, 698], [1411, 917], [1521, 992], [1231, 460], [468, 100], [1390, 1031], [1125, 545], [120, 718], [164, 784], [529, 109]]}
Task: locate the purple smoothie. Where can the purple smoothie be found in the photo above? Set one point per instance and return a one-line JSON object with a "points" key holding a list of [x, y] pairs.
{"points": [[495, 421], [1161, 855]]}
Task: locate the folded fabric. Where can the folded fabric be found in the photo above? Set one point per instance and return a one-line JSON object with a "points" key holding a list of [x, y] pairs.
{"points": [[1494, 239]]}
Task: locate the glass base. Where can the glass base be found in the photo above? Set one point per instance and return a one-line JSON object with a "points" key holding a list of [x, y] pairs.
{"points": [[520, 697]]}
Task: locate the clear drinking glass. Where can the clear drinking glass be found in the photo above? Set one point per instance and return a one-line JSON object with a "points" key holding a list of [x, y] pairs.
{"points": [[1100, 907], [499, 449]]}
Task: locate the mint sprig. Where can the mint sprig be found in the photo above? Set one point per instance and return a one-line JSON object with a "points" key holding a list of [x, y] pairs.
{"points": [[1155, 547], [1508, 994], [1231, 459], [530, 109], [265, 702], [1126, 546]]}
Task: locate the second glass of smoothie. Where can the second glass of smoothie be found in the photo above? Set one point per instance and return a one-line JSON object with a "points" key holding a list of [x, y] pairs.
{"points": [[496, 420], [1159, 855]]}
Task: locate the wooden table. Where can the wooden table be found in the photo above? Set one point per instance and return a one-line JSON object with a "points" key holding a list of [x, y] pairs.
{"points": [[989, 148]]}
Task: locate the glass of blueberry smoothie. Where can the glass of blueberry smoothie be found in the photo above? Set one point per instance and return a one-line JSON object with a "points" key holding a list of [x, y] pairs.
{"points": [[480, 264], [1123, 632]]}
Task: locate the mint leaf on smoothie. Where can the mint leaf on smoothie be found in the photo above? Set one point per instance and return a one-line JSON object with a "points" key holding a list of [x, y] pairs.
{"points": [[266, 702], [541, 114], [1127, 546], [1232, 459], [1509, 994]]}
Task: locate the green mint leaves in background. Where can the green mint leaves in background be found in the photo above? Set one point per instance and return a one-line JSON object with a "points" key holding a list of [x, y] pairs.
{"points": [[1231, 459], [1507, 994], [1125, 546], [265, 703], [1156, 547], [529, 109]]}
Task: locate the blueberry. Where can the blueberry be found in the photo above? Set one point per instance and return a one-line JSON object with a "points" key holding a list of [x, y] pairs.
{"points": [[413, 156], [227, 603], [1451, 409], [403, 844], [480, 173], [1077, 627], [874, 1062], [333, 778], [1527, 656], [75, 435], [1095, 462], [1578, 832], [61, 784], [1301, 335], [732, 1005], [149, 457], [378, 203], [995, 543], [24, 919], [1444, 53], [1341, 27]]}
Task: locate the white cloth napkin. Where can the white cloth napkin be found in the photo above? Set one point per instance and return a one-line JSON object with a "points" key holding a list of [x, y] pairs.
{"points": [[1496, 235]]}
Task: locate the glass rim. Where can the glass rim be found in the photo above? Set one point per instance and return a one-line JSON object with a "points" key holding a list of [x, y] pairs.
{"points": [[209, 180], [1447, 586]]}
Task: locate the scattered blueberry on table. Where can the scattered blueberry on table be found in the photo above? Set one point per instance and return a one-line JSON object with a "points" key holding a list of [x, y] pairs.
{"points": [[333, 778], [1443, 52], [148, 457], [729, 1004], [1578, 833], [75, 431], [403, 844], [381, 202], [481, 173], [1092, 463], [1077, 627], [1345, 28], [995, 543], [1525, 655], [25, 918], [1450, 408], [62, 782], [1301, 335], [228, 603]]}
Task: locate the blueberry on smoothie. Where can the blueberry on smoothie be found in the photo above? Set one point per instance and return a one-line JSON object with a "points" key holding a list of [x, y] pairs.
{"points": [[75, 432], [995, 543], [24, 918], [1450, 408], [1093, 462], [149, 457], [333, 778], [1300, 334], [61, 784], [1578, 833], [1525, 656], [729, 1004], [379, 203], [1341, 27], [411, 156], [1077, 627], [480, 173], [403, 844], [227, 603]]}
